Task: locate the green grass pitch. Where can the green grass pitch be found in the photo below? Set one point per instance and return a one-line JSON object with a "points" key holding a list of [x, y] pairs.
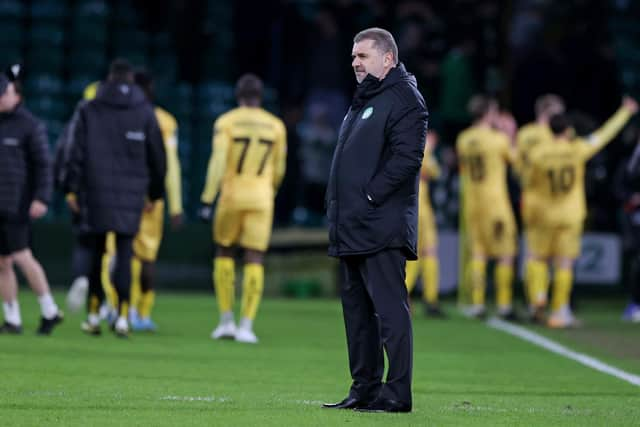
{"points": [[465, 374]]}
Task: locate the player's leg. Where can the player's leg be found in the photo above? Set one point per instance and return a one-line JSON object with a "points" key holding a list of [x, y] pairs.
{"points": [[567, 249], [254, 238], [412, 275], [503, 279], [136, 290], [145, 249], [9, 293], [109, 311], [122, 281], [226, 229], [540, 241], [431, 281], [479, 233], [37, 279], [252, 289], [561, 314], [93, 245]]}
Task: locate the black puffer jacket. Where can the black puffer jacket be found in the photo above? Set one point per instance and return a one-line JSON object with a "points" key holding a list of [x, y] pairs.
{"points": [[25, 163], [116, 158], [373, 187]]}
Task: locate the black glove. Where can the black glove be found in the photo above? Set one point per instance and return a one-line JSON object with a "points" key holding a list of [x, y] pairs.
{"points": [[205, 212]]}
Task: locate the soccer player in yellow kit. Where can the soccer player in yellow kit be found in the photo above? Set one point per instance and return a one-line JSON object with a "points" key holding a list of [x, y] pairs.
{"points": [[556, 177], [530, 136], [247, 165], [484, 153], [427, 264], [147, 241]]}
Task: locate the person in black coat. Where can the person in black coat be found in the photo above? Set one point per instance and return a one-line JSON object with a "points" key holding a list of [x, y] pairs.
{"points": [[372, 214], [628, 193], [25, 192], [116, 164]]}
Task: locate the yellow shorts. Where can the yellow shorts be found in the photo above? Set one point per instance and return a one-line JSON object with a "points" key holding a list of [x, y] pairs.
{"points": [[492, 235], [427, 231], [250, 229], [147, 242], [562, 241]]}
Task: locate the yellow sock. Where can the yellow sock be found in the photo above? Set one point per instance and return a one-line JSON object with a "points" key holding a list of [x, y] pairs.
{"points": [[528, 280], [411, 275], [109, 289], [147, 299], [94, 304], [504, 289], [223, 280], [124, 310], [252, 286], [561, 288], [538, 273], [478, 273], [431, 279], [136, 287]]}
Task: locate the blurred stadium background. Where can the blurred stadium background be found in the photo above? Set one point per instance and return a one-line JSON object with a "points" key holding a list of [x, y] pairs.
{"points": [[587, 51], [515, 50]]}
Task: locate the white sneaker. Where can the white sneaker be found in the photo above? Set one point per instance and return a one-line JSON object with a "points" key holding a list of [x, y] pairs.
{"points": [[224, 330], [246, 336], [121, 327], [562, 319], [77, 295]]}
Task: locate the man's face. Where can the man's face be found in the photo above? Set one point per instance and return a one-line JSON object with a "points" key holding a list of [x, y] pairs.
{"points": [[9, 99], [366, 59]]}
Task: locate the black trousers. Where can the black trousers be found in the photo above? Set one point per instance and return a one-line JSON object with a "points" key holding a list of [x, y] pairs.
{"points": [[377, 317], [87, 260]]}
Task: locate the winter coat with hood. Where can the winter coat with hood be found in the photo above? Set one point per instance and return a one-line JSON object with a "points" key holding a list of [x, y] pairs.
{"points": [[372, 196], [25, 163], [116, 159]]}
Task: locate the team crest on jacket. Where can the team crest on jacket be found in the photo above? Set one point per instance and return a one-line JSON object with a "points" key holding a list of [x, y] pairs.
{"points": [[367, 113]]}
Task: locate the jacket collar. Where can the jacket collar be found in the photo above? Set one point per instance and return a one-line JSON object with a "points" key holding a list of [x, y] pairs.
{"points": [[372, 86]]}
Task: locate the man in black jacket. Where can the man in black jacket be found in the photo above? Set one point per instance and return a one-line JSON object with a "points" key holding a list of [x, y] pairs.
{"points": [[116, 160], [25, 191], [373, 212], [628, 192]]}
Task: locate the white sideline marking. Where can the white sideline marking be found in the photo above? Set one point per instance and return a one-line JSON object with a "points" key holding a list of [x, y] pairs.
{"points": [[196, 398], [554, 347]]}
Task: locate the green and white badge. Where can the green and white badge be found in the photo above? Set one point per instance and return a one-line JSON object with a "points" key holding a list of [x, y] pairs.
{"points": [[367, 113]]}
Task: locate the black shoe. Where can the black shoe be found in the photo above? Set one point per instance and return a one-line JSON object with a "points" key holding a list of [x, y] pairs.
{"points": [[510, 316], [384, 405], [90, 329], [47, 325], [434, 310], [10, 328], [347, 403]]}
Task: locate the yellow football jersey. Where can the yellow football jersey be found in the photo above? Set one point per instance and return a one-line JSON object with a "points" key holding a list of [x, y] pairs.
{"points": [[529, 137], [169, 129], [426, 221], [248, 159], [557, 172], [484, 154]]}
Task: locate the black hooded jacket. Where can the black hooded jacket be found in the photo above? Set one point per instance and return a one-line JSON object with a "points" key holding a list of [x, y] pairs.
{"points": [[372, 196], [116, 159], [25, 163]]}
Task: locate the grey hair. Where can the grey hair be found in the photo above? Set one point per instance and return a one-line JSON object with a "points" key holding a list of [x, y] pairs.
{"points": [[382, 40]]}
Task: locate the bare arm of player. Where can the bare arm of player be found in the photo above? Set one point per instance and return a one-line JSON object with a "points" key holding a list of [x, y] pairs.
{"points": [[217, 164], [280, 159], [605, 134]]}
